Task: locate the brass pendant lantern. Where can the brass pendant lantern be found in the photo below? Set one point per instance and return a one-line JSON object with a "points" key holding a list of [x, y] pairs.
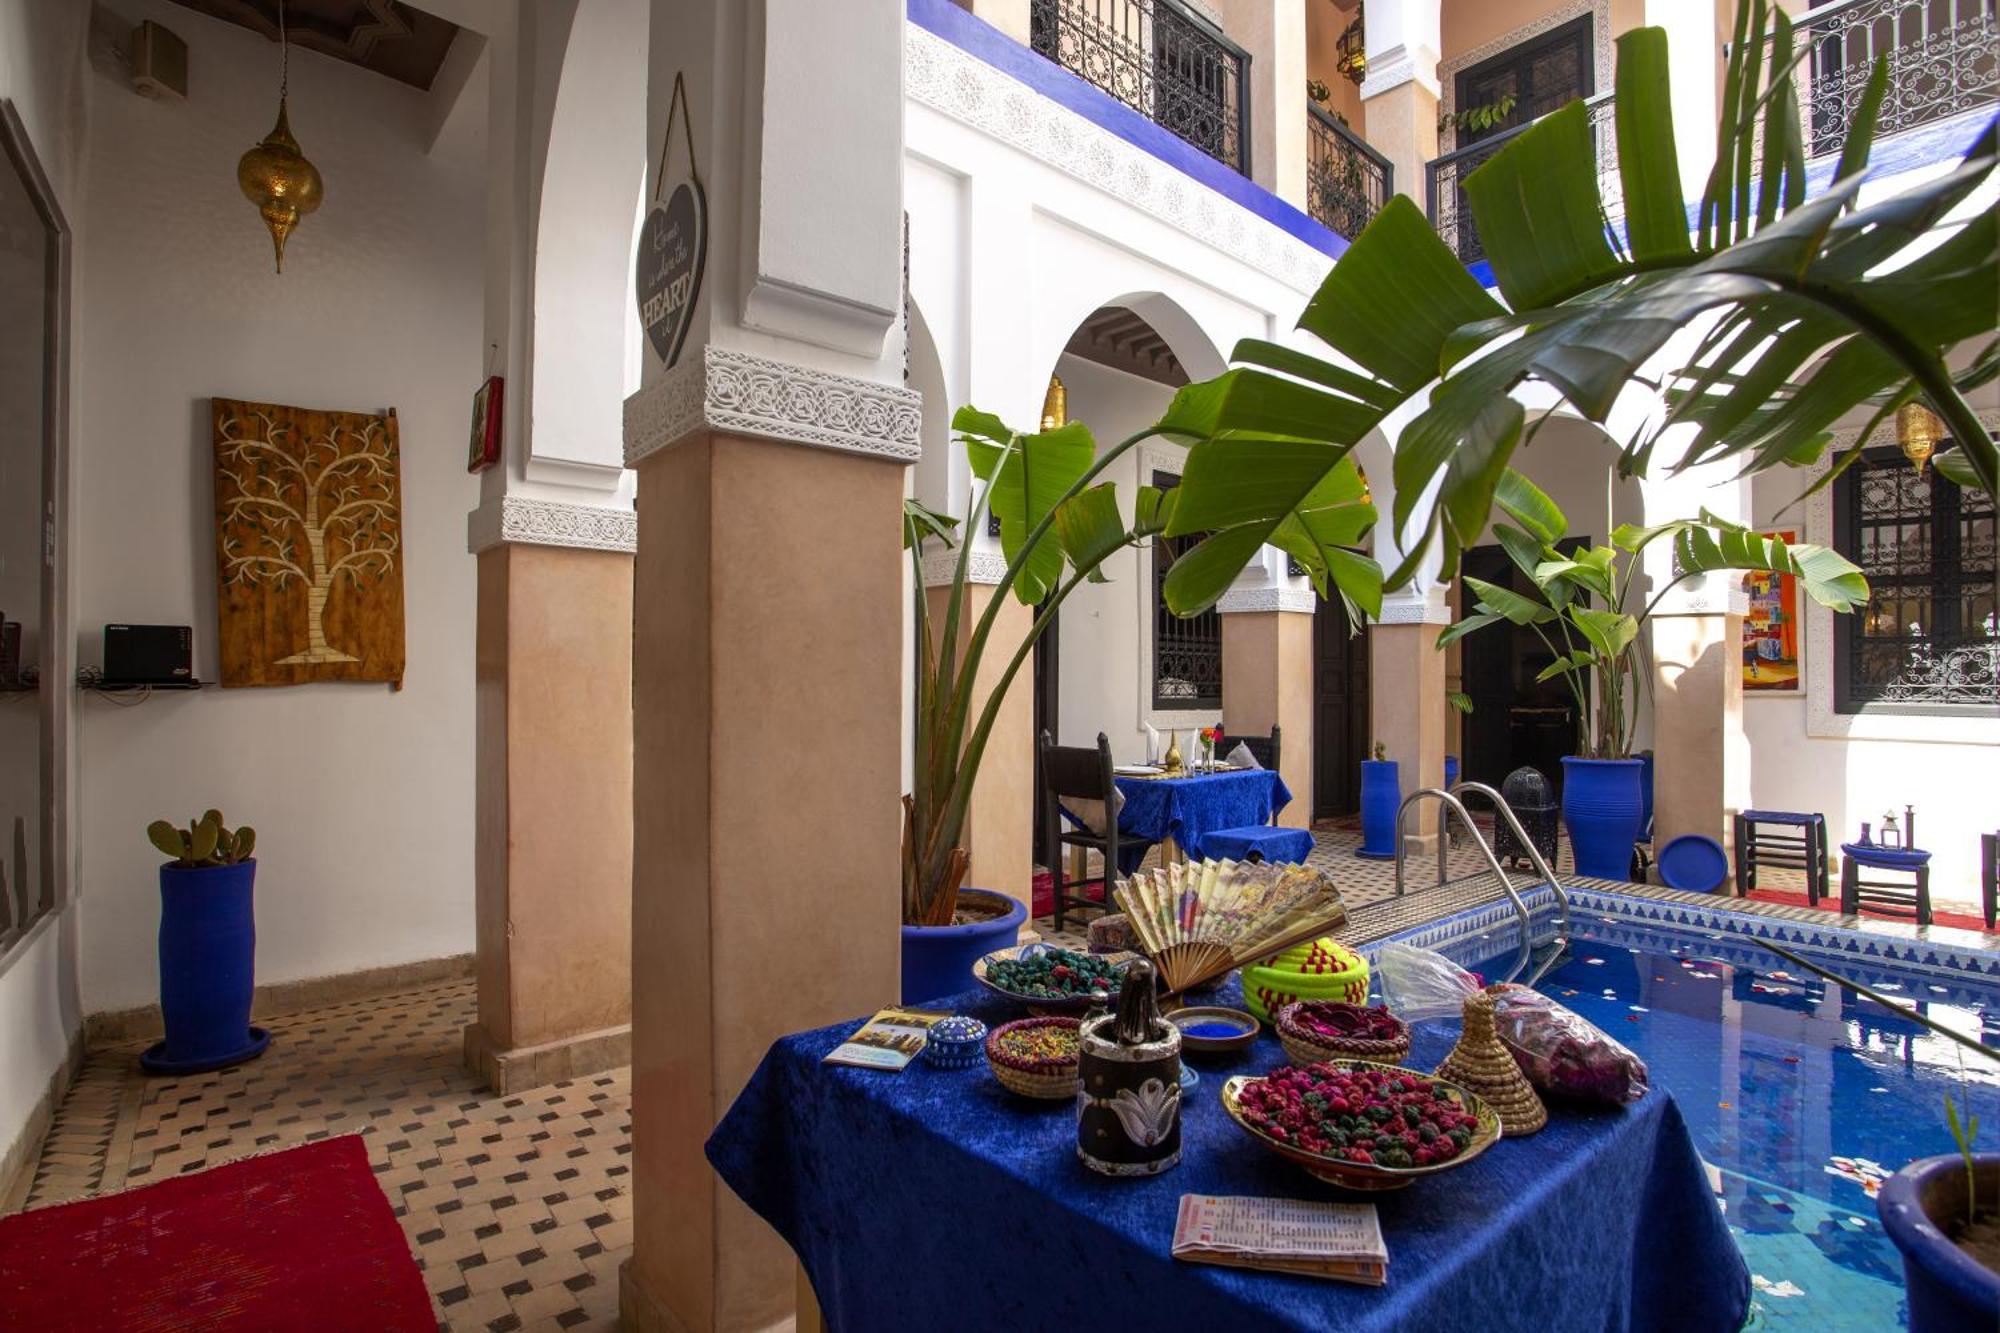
{"points": [[1350, 47], [1918, 431], [1055, 405], [275, 175]]}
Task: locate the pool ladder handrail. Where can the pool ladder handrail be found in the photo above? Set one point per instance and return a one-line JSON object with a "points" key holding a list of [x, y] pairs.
{"points": [[1449, 803]]}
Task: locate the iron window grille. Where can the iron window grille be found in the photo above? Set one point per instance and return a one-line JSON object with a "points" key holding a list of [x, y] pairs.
{"points": [[1928, 641], [1943, 56], [1347, 181], [1160, 58], [1187, 653]]}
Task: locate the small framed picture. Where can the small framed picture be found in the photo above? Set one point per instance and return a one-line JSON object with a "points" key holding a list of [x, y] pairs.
{"points": [[485, 448]]}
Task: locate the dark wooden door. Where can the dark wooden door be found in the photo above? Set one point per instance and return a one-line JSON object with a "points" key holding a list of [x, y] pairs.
{"points": [[1542, 74], [1340, 712], [1515, 720]]}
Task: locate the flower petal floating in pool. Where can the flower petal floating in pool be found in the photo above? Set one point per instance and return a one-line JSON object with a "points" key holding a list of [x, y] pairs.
{"points": [[1595, 962], [1785, 1288], [1641, 1009]]}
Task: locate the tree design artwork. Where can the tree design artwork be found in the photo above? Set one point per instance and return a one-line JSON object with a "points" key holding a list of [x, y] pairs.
{"points": [[306, 500]]}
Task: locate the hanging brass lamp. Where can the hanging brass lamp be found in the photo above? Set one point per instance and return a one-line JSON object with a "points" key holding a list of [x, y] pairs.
{"points": [[1918, 431], [1055, 405], [275, 175]]}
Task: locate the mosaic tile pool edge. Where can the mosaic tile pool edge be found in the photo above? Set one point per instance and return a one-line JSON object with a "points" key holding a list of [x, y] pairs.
{"points": [[1924, 956]]}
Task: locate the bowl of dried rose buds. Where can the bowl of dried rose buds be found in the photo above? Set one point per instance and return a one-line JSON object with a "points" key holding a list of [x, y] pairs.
{"points": [[1362, 1125], [1316, 1030]]}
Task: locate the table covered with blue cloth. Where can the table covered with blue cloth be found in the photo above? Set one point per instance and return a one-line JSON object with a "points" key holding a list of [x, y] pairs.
{"points": [[935, 1199], [1183, 809]]}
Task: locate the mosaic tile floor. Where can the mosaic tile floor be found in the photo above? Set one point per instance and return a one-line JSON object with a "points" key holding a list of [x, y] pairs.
{"points": [[516, 1207]]}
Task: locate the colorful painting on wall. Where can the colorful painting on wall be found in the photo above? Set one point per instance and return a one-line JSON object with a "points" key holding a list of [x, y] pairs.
{"points": [[485, 449], [308, 544], [1771, 629]]}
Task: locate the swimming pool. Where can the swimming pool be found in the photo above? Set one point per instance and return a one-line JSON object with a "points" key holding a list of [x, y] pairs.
{"points": [[1799, 1094]]}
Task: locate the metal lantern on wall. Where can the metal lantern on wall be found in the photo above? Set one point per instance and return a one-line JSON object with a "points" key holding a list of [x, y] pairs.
{"points": [[275, 175], [1917, 432], [1351, 47], [1055, 404]]}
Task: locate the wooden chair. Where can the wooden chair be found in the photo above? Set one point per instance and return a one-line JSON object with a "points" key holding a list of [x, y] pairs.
{"points": [[1078, 773], [1264, 749]]}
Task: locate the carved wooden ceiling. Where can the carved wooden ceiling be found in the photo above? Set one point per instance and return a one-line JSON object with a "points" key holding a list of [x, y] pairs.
{"points": [[1113, 336], [387, 36]]}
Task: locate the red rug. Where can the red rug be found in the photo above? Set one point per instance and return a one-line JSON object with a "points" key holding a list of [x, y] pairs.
{"points": [[1962, 920], [302, 1239]]}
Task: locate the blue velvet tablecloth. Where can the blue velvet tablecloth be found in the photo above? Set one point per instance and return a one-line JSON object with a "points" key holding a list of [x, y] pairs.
{"points": [[934, 1199], [1183, 809]]}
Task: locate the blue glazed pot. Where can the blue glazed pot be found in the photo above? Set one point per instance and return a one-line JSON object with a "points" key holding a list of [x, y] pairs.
{"points": [[1450, 771], [1947, 1288], [1381, 796], [1604, 811], [208, 968], [937, 960]]}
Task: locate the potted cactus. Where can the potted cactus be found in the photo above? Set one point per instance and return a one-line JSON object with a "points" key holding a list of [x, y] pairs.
{"points": [[208, 946]]}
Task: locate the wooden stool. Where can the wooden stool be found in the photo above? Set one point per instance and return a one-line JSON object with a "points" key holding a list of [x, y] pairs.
{"points": [[1804, 850], [1899, 898]]}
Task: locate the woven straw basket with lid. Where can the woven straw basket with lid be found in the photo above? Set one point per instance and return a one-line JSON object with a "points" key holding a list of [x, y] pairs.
{"points": [[1481, 1065]]}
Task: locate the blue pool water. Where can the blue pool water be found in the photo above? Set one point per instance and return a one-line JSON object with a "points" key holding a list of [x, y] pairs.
{"points": [[1798, 1093]]}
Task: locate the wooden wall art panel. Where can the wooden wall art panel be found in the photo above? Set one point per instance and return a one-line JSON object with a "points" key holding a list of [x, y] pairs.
{"points": [[308, 544]]}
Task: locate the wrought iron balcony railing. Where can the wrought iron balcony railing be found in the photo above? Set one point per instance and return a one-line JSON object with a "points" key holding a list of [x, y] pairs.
{"points": [[1347, 182], [1160, 58], [1445, 177], [1944, 58]]}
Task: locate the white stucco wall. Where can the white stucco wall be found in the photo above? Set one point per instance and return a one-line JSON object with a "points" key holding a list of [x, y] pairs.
{"points": [[362, 796], [1948, 768]]}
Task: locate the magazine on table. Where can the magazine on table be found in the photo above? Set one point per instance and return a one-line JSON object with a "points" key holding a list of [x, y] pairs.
{"points": [[890, 1040], [1335, 1240]]}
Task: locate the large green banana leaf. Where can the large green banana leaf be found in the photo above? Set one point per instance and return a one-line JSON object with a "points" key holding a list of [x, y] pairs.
{"points": [[1812, 309]]}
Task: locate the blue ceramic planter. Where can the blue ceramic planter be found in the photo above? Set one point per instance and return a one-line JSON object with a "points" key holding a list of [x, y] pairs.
{"points": [[1604, 809], [208, 968], [937, 960], [1450, 771], [1381, 796], [1948, 1289]]}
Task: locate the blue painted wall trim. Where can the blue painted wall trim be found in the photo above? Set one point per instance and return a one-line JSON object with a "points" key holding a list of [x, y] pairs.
{"points": [[986, 43]]}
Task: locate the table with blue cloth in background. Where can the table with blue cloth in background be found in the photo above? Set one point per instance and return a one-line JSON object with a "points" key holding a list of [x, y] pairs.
{"points": [[1180, 810], [935, 1199]]}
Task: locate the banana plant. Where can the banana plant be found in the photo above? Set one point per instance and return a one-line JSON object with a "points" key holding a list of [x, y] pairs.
{"points": [[1058, 525], [1761, 317], [1577, 600]]}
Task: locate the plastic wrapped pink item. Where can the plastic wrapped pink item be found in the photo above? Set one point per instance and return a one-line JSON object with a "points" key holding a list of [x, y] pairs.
{"points": [[1562, 1053]]}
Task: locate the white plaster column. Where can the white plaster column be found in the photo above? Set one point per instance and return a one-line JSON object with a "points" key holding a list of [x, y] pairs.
{"points": [[1267, 670], [1399, 97], [1695, 67], [771, 601], [1701, 759], [554, 535], [1274, 33]]}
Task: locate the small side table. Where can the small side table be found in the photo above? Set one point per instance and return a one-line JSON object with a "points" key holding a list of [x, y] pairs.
{"points": [[1804, 849], [1892, 897]]}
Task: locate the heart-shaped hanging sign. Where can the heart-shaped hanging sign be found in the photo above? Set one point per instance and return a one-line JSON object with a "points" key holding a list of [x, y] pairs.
{"points": [[673, 247]]}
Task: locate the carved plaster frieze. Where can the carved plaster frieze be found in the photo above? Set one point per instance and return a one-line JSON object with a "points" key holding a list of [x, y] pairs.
{"points": [[1268, 597], [966, 89], [941, 566], [718, 388], [524, 520]]}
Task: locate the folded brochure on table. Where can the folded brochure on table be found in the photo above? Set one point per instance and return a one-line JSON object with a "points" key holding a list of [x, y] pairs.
{"points": [[1336, 1240], [890, 1040]]}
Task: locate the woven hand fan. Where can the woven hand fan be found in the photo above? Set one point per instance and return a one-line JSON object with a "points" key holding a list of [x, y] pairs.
{"points": [[1197, 921]]}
